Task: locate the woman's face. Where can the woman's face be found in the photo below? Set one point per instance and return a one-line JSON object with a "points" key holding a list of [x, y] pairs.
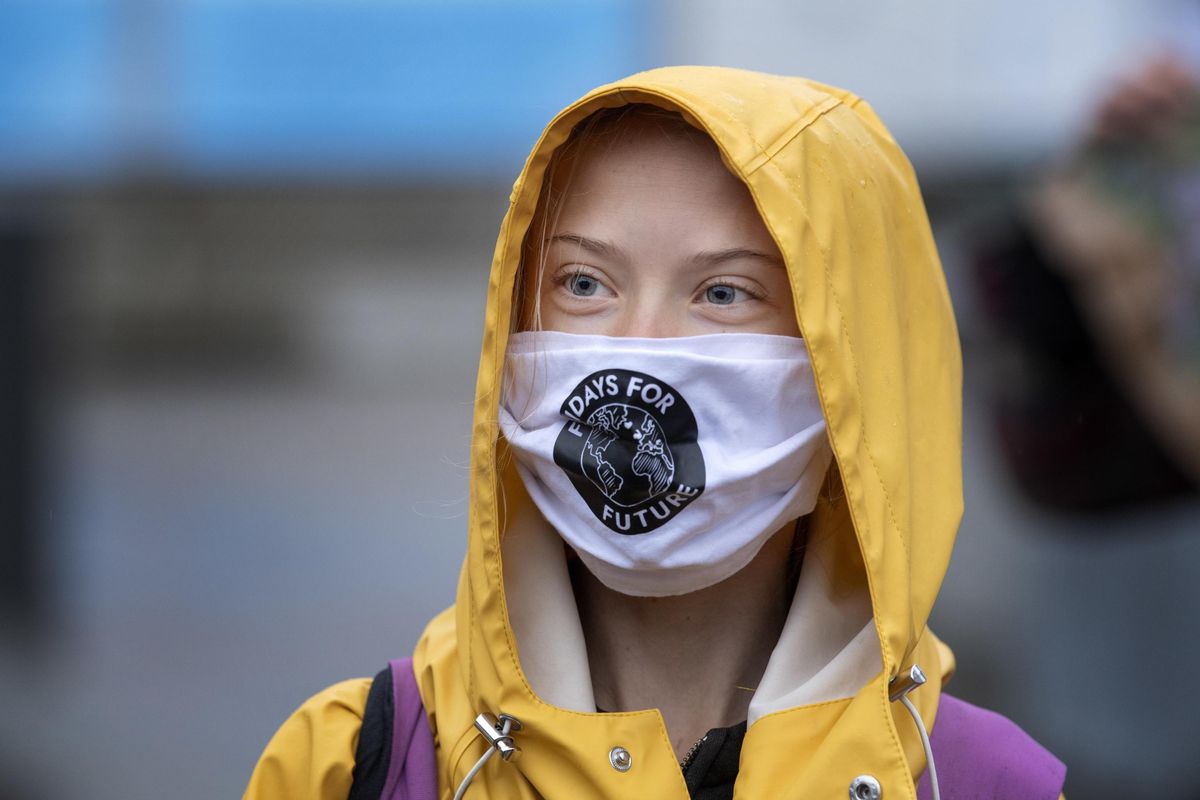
{"points": [[655, 238]]}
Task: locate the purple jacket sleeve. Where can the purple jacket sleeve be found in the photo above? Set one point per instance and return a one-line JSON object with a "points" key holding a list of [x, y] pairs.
{"points": [[982, 755]]}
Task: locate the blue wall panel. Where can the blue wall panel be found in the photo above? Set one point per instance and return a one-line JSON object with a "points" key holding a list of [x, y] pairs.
{"points": [[345, 89], [57, 82]]}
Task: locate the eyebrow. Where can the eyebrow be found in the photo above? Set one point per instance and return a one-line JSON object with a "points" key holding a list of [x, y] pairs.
{"points": [[596, 246], [715, 257], [601, 247]]}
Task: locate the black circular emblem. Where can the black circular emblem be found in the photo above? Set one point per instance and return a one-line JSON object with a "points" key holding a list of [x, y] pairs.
{"points": [[629, 447]]}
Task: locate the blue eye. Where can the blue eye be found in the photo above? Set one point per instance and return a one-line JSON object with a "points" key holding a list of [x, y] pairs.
{"points": [[582, 285], [721, 294]]}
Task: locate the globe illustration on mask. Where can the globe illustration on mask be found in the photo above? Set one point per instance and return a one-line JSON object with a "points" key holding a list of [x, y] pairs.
{"points": [[626, 454], [630, 446]]}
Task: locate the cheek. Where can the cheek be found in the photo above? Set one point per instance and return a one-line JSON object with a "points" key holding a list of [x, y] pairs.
{"points": [[783, 321], [556, 318], [782, 317], [764, 319], [552, 317], [786, 325]]}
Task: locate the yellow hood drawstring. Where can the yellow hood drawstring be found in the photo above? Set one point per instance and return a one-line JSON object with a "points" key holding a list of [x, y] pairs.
{"points": [[499, 738]]}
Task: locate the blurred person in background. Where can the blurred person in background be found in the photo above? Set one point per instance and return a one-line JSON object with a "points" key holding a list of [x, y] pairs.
{"points": [[1095, 291], [716, 480]]}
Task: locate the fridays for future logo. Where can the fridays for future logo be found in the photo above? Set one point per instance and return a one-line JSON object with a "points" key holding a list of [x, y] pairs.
{"points": [[629, 446]]}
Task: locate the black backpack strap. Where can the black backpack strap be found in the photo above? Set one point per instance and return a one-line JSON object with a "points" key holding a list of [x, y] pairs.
{"points": [[373, 755]]}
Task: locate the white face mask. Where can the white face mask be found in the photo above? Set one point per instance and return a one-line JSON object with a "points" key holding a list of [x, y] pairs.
{"points": [[665, 463]]}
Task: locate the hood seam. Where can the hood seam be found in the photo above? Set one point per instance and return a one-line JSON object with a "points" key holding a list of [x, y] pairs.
{"points": [[767, 154], [886, 653], [884, 646], [858, 385]]}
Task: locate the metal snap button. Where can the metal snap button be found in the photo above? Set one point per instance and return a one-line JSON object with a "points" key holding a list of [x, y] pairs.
{"points": [[620, 759], [864, 787]]}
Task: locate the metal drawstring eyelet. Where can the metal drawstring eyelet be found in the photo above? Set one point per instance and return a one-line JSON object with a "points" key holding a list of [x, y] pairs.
{"points": [[498, 734], [901, 685]]}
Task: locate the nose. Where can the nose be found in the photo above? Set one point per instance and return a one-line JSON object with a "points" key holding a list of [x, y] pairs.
{"points": [[650, 320], [647, 326]]}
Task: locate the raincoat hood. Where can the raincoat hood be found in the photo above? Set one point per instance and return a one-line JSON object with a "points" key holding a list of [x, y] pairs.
{"points": [[842, 203]]}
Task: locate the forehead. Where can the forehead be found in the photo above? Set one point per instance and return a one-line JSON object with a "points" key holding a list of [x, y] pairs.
{"points": [[641, 176]]}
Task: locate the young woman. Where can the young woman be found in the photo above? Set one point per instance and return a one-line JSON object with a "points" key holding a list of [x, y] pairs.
{"points": [[715, 482]]}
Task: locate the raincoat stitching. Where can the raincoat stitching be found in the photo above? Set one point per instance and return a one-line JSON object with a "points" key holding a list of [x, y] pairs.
{"points": [[470, 639], [717, 112], [712, 112], [524, 197], [486, 466], [685, 105], [462, 746], [768, 153], [893, 734], [866, 439], [885, 654], [858, 384], [508, 253], [889, 725], [807, 707]]}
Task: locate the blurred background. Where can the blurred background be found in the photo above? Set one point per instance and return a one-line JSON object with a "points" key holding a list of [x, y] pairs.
{"points": [[243, 256]]}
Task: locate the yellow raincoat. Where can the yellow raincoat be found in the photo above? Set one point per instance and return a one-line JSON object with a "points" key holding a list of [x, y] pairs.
{"points": [[843, 205]]}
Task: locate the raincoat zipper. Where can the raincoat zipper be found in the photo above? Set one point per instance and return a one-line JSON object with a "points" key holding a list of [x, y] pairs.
{"points": [[687, 758]]}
